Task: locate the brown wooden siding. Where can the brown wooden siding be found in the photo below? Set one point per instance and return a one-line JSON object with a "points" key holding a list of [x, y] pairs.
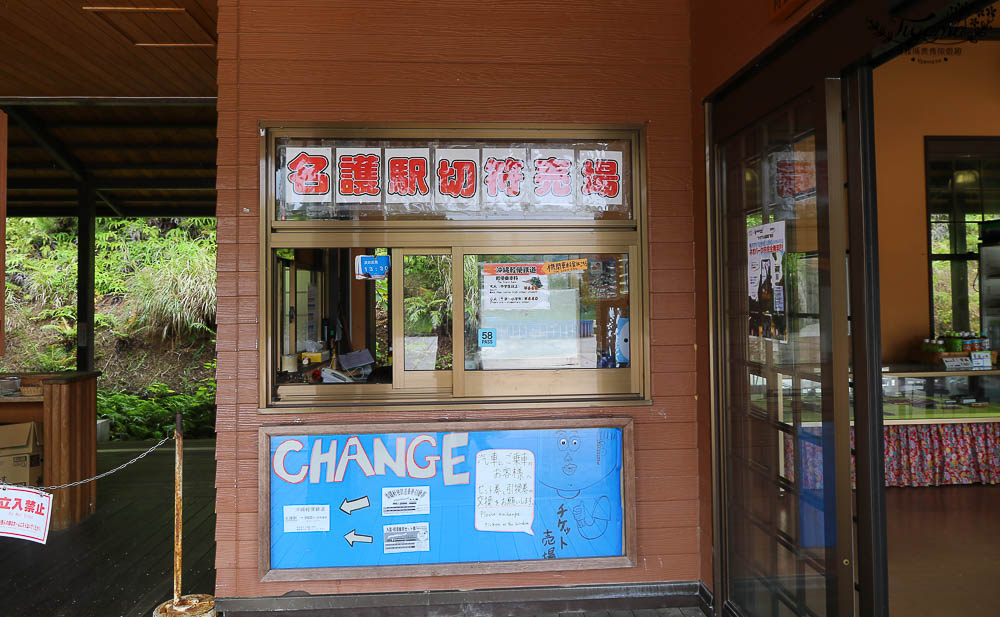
{"points": [[464, 62]]}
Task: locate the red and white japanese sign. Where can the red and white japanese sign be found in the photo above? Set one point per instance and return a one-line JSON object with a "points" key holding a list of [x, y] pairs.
{"points": [[25, 513], [456, 176], [505, 176], [600, 178], [552, 177], [308, 175], [408, 177], [359, 175]]}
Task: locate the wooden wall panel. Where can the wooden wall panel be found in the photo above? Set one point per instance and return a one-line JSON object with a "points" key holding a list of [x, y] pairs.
{"points": [[455, 62]]}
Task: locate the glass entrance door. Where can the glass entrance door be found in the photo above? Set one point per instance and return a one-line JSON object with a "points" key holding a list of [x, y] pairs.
{"points": [[783, 359]]}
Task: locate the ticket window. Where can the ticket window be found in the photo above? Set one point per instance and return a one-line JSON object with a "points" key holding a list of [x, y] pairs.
{"points": [[334, 328]]}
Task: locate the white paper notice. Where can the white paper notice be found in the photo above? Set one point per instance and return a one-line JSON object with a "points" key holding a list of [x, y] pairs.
{"points": [[307, 518], [308, 175], [406, 538], [552, 176], [600, 178], [359, 175], [403, 500], [456, 177], [515, 286], [505, 490], [25, 513]]}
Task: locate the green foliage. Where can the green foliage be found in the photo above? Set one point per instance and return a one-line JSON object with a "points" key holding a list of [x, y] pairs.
{"points": [[153, 278], [151, 415]]}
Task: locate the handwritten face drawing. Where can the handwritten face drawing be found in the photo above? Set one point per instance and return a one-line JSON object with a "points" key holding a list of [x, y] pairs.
{"points": [[576, 459]]}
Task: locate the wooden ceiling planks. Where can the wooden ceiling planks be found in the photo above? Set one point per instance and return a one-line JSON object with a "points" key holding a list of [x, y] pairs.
{"points": [[148, 161], [53, 48]]}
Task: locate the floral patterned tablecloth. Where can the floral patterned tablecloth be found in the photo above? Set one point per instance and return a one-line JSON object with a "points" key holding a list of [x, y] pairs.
{"points": [[916, 454]]}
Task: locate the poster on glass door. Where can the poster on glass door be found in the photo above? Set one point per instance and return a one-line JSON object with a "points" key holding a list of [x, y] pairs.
{"points": [[766, 281]]}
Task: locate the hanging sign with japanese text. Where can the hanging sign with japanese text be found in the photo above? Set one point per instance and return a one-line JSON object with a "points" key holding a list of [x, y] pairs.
{"points": [[504, 173], [515, 286], [359, 175], [455, 496], [600, 178], [552, 177], [407, 175], [308, 175], [456, 177], [25, 513]]}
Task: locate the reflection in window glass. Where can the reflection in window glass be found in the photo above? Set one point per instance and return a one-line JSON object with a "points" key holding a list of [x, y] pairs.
{"points": [[341, 323], [557, 311], [427, 311]]}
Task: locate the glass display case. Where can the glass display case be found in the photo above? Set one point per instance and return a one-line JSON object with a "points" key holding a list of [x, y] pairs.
{"points": [[927, 395]]}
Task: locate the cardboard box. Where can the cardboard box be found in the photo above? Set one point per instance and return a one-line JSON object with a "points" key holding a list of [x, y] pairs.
{"points": [[21, 454]]}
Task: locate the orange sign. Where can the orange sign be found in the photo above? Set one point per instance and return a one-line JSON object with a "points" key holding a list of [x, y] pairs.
{"points": [[783, 9]]}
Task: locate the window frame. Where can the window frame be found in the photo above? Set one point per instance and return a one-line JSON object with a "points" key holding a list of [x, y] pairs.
{"points": [[951, 148], [459, 237]]}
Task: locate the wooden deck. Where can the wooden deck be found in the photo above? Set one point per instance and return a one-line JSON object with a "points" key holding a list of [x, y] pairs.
{"points": [[119, 561]]}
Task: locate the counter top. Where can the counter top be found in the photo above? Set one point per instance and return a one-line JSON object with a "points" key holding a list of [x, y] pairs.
{"points": [[20, 398]]}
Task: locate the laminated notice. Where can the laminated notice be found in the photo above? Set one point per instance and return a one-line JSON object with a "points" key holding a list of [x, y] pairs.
{"points": [[25, 513], [406, 538], [404, 500], [304, 518], [515, 286]]}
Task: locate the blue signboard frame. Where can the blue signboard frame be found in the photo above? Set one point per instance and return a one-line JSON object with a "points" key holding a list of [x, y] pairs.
{"points": [[362, 501]]}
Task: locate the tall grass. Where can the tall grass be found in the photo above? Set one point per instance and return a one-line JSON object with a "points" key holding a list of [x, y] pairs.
{"points": [[176, 295]]}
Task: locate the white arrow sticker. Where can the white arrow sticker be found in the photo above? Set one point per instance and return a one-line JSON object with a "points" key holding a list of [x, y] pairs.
{"points": [[353, 537], [355, 504]]}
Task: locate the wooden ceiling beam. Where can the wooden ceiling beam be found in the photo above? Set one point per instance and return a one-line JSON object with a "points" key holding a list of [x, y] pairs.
{"points": [[183, 211], [55, 148], [95, 168], [131, 101], [116, 184]]}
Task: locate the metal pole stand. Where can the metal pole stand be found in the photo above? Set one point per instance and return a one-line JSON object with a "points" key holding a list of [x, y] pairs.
{"points": [[193, 605]]}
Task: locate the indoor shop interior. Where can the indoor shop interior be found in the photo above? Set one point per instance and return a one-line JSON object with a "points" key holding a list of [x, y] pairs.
{"points": [[937, 151]]}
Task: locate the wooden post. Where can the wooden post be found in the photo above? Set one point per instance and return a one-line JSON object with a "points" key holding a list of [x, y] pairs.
{"points": [[3, 222], [85, 277]]}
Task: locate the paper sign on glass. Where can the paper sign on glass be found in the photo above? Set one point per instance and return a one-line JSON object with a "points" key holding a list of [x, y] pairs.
{"points": [[456, 176], [359, 175], [552, 176], [515, 286], [599, 174], [25, 513], [408, 177], [505, 176], [308, 175]]}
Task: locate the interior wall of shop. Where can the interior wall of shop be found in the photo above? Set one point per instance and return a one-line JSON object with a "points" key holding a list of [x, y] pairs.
{"points": [[726, 36], [960, 97], [454, 61]]}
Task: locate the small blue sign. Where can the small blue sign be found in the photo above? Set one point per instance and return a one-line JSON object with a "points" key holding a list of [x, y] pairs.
{"points": [[487, 337], [371, 266]]}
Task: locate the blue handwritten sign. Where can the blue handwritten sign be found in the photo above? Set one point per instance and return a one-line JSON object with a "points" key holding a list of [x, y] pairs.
{"points": [[371, 266], [456, 497]]}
